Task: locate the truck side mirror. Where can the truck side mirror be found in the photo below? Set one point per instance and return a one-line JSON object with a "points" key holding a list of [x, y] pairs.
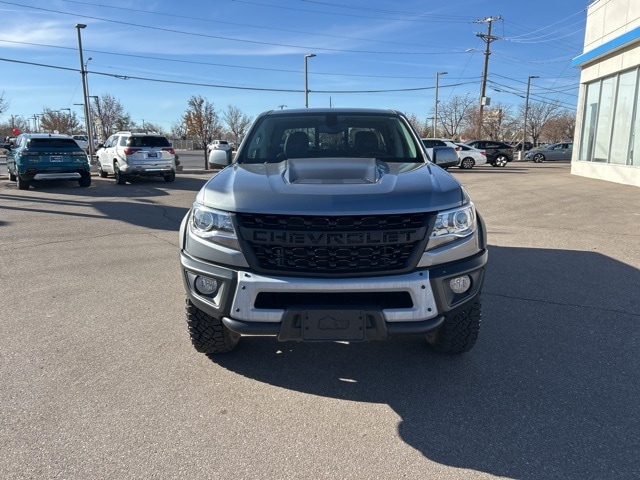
{"points": [[445, 157]]}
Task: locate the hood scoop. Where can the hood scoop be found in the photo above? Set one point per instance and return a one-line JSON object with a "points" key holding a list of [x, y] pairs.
{"points": [[334, 171]]}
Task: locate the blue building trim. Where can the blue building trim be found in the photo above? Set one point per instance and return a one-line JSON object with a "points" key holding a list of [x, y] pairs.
{"points": [[607, 48]]}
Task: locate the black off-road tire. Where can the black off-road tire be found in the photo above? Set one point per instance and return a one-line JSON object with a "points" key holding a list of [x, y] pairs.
{"points": [[459, 332], [208, 334]]}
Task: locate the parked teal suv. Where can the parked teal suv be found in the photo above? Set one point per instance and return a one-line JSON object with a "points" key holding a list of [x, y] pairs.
{"points": [[38, 157]]}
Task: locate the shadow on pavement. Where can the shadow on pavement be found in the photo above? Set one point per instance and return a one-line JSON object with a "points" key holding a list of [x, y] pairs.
{"points": [[550, 390], [138, 203]]}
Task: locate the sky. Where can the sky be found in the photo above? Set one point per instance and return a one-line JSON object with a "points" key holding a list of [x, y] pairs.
{"points": [[154, 56]]}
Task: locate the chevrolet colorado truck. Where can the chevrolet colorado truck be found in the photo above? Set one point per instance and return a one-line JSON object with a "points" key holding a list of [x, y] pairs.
{"points": [[333, 225]]}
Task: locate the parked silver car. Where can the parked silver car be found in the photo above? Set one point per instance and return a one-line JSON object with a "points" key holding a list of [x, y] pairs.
{"points": [[556, 151]]}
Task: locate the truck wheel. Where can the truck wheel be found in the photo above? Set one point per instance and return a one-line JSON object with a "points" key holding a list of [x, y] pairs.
{"points": [[459, 332], [208, 334]]}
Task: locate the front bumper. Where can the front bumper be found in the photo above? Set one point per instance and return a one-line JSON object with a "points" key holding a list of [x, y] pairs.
{"points": [[379, 306]]}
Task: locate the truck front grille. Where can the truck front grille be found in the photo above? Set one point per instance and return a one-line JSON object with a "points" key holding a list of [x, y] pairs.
{"points": [[340, 245]]}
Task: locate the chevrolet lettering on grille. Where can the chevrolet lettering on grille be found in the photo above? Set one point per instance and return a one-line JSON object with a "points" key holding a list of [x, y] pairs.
{"points": [[270, 237]]}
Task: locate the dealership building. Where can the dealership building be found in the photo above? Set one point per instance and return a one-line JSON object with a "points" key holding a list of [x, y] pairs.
{"points": [[607, 136]]}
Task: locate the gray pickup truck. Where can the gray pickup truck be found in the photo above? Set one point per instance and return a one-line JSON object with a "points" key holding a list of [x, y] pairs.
{"points": [[333, 225]]}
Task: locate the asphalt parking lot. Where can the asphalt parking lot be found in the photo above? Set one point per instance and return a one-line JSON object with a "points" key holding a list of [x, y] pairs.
{"points": [[99, 379]]}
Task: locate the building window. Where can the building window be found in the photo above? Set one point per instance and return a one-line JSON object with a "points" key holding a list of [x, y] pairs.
{"points": [[635, 128], [621, 135], [612, 109]]}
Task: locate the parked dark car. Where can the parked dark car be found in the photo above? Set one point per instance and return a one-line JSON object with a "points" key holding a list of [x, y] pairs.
{"points": [[498, 153]]}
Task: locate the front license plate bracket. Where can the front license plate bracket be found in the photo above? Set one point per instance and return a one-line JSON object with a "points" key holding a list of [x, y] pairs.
{"points": [[334, 324]]}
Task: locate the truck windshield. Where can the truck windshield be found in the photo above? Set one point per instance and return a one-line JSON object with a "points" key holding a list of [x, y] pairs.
{"points": [[330, 135]]}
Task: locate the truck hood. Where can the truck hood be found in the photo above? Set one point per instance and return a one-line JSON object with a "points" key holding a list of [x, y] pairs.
{"points": [[343, 186]]}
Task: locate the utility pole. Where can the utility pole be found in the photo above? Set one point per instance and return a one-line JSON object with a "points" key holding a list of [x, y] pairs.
{"points": [[488, 38], [526, 112], [435, 107]]}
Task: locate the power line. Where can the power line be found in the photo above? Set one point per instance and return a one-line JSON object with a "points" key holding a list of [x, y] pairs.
{"points": [[193, 62], [233, 87]]}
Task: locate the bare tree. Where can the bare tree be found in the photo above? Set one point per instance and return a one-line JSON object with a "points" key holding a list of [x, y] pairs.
{"points": [[498, 122], [560, 128], [539, 114], [110, 116], [152, 127], [420, 126], [453, 115], [237, 122], [179, 129], [202, 122], [4, 104], [59, 121], [15, 123]]}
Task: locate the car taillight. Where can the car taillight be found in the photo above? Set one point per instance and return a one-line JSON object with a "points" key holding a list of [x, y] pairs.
{"points": [[482, 152], [170, 150], [131, 151]]}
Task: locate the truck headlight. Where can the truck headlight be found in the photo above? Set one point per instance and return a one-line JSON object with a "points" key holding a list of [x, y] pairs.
{"points": [[453, 224], [213, 225]]}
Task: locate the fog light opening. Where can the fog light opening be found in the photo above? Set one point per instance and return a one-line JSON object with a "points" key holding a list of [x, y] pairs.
{"points": [[206, 286], [460, 284]]}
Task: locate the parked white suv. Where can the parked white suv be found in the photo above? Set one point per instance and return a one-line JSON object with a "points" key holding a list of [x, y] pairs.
{"points": [[137, 154]]}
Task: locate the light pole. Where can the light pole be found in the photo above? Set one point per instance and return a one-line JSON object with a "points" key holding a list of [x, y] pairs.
{"points": [[526, 112], [306, 79], [435, 107], [85, 92]]}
